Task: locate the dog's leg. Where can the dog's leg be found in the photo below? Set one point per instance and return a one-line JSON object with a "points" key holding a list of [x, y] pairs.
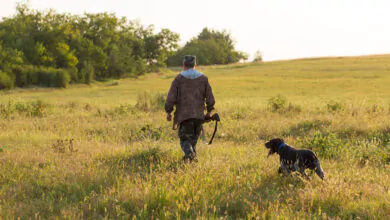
{"points": [[283, 169], [296, 165], [301, 168], [303, 173]]}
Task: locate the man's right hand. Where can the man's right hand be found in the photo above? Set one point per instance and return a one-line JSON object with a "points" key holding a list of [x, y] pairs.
{"points": [[169, 117]]}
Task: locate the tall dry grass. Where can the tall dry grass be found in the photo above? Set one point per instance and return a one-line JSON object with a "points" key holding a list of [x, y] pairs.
{"points": [[125, 161]]}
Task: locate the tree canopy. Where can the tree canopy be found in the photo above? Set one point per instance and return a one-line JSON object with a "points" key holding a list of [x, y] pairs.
{"points": [[210, 47], [36, 45]]}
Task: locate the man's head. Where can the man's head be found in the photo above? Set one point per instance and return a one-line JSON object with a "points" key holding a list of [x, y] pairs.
{"points": [[189, 61]]}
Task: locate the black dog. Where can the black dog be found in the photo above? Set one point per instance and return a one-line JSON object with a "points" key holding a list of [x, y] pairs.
{"points": [[292, 159]]}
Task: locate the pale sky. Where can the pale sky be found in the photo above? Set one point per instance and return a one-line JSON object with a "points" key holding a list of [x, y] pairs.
{"points": [[280, 29]]}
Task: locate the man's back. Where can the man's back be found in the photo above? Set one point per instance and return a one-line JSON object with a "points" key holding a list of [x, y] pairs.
{"points": [[190, 91]]}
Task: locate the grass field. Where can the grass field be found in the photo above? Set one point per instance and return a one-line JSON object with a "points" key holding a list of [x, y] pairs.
{"points": [[125, 161]]}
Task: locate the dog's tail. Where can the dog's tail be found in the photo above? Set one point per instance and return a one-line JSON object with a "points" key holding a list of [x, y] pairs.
{"points": [[319, 170]]}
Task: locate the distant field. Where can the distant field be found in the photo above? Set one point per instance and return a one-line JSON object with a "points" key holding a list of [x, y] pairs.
{"points": [[126, 160]]}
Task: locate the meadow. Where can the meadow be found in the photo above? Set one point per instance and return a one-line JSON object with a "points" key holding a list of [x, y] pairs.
{"points": [[106, 151]]}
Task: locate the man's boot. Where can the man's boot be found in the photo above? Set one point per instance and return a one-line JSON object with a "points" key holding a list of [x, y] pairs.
{"points": [[187, 149], [187, 159], [193, 153]]}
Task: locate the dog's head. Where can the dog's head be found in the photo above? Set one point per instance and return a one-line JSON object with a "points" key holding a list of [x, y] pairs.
{"points": [[319, 170], [273, 145]]}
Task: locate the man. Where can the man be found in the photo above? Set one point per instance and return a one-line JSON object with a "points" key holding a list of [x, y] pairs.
{"points": [[189, 92]]}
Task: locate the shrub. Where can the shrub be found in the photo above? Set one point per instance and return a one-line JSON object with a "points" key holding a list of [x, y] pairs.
{"points": [[74, 76], [334, 106], [258, 58], [374, 109], [36, 108], [62, 78], [6, 82], [45, 76], [149, 132], [41, 76], [293, 108], [124, 109], [324, 145], [87, 73], [21, 76], [277, 102], [26, 75], [121, 110], [372, 152], [6, 109]]}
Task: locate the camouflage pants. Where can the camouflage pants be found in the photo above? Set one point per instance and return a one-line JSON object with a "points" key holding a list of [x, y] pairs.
{"points": [[189, 132]]}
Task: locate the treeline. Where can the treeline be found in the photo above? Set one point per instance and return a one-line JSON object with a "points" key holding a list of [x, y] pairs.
{"points": [[54, 49]]}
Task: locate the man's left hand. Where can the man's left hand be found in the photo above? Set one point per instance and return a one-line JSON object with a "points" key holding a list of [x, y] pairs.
{"points": [[169, 117]]}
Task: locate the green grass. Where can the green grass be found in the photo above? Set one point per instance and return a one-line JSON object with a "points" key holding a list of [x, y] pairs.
{"points": [[126, 160]]}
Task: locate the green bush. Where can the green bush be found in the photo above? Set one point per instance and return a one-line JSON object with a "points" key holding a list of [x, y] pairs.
{"points": [[46, 76], [7, 109], [372, 152], [334, 106], [36, 108], [374, 109], [62, 78], [149, 132], [74, 76], [124, 109], [277, 102], [293, 108], [21, 76], [26, 75], [41, 76], [6, 82], [324, 145], [31, 75], [87, 73]]}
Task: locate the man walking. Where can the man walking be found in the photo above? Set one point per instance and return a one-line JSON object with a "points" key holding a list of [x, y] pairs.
{"points": [[191, 94]]}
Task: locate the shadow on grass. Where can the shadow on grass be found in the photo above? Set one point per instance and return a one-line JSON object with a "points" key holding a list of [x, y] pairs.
{"points": [[293, 192], [142, 162], [83, 189], [87, 194], [304, 128]]}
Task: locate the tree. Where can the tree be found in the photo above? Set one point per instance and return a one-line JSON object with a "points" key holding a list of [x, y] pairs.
{"points": [[258, 58], [210, 47]]}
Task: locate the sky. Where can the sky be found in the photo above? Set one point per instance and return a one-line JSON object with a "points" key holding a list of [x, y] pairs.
{"points": [[280, 29]]}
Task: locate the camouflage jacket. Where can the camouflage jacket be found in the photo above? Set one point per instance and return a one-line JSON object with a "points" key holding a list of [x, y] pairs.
{"points": [[191, 93]]}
